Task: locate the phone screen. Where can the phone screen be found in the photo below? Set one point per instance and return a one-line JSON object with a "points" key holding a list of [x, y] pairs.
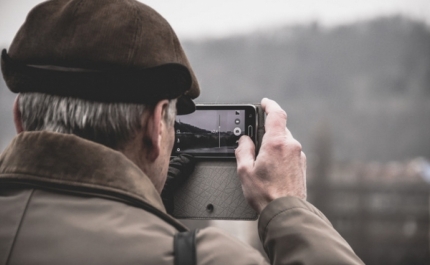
{"points": [[213, 130]]}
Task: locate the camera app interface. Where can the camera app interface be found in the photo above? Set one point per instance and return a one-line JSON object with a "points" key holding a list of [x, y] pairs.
{"points": [[209, 132]]}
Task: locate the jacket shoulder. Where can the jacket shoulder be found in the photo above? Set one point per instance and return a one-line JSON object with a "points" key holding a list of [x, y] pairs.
{"points": [[86, 230]]}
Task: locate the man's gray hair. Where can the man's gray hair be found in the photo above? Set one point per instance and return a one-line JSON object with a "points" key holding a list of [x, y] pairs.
{"points": [[110, 124]]}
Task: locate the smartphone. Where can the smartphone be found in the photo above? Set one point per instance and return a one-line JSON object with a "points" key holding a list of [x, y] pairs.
{"points": [[213, 130]]}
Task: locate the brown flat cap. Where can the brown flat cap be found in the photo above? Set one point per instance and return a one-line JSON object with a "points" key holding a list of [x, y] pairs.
{"points": [[100, 50]]}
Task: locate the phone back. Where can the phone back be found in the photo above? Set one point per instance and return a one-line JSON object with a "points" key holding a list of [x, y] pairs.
{"points": [[213, 191]]}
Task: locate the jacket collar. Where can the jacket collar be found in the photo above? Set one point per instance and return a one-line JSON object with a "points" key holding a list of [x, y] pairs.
{"points": [[70, 160]]}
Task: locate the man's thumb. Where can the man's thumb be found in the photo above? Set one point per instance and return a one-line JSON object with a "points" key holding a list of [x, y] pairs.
{"points": [[245, 153]]}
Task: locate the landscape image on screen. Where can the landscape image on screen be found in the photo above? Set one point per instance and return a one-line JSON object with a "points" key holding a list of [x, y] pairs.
{"points": [[209, 132]]}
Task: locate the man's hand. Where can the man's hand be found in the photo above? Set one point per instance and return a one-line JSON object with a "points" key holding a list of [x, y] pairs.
{"points": [[180, 168], [280, 168]]}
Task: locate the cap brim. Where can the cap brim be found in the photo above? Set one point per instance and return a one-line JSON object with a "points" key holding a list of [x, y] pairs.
{"points": [[185, 105], [140, 86]]}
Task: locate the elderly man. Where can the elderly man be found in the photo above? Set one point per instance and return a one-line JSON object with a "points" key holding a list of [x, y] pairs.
{"points": [[99, 84]]}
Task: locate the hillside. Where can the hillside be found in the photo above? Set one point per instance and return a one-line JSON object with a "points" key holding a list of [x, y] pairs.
{"points": [[369, 82]]}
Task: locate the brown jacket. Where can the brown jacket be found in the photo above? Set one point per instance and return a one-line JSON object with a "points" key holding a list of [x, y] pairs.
{"points": [[65, 200]]}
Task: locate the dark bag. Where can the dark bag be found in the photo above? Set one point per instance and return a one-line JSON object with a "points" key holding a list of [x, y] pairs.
{"points": [[184, 246]]}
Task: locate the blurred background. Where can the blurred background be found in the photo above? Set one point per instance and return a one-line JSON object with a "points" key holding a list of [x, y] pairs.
{"points": [[354, 78]]}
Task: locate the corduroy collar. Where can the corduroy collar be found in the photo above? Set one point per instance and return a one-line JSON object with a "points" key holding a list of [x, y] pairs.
{"points": [[70, 160]]}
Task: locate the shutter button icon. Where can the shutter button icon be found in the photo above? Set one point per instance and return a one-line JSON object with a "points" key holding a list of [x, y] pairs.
{"points": [[237, 131]]}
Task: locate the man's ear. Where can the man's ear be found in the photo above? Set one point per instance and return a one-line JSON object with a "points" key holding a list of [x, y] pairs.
{"points": [[17, 116], [155, 125]]}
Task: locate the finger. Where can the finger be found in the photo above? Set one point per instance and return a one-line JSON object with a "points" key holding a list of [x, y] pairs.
{"points": [[187, 158], [303, 164], [288, 132], [245, 155], [184, 162], [303, 159], [173, 179], [183, 159], [269, 139], [173, 172], [276, 119]]}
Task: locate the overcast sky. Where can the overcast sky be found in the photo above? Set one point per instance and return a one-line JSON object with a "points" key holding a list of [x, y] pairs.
{"points": [[208, 18]]}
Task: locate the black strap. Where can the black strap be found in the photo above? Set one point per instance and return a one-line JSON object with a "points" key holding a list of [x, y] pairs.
{"points": [[184, 245]]}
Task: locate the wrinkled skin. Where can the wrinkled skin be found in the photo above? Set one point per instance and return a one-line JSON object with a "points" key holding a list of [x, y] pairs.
{"points": [[279, 170]]}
